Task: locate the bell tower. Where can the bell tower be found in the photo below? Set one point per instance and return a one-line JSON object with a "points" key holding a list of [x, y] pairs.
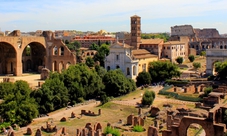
{"points": [[135, 31]]}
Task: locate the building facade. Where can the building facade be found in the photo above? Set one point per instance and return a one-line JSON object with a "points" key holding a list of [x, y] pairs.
{"points": [[87, 41], [173, 49]]}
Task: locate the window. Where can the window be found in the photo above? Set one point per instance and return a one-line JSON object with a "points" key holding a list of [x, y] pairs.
{"points": [[55, 50], [128, 71], [62, 51], [108, 68], [134, 70], [117, 67], [117, 57], [144, 67]]}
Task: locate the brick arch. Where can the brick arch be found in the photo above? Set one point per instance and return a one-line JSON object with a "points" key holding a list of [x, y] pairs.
{"points": [[187, 121], [24, 45], [8, 58]]}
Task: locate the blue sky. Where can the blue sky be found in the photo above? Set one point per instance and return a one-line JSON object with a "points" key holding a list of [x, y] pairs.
{"points": [[111, 15]]}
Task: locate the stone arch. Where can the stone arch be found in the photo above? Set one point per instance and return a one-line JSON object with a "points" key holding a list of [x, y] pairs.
{"points": [[36, 53], [88, 53], [221, 47], [225, 47], [197, 47], [117, 66], [67, 65], [187, 121], [210, 64], [60, 66], [8, 58], [194, 128]]}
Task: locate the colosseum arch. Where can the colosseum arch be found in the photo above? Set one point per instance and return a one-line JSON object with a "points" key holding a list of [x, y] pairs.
{"points": [[8, 58]]}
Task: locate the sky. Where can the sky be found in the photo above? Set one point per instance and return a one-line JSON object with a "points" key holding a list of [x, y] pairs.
{"points": [[111, 15]]}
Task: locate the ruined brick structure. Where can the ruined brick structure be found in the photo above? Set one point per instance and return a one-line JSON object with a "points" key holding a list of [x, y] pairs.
{"points": [[27, 53], [213, 124]]}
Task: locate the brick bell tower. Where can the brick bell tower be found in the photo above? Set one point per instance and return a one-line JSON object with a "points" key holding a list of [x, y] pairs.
{"points": [[135, 31]]}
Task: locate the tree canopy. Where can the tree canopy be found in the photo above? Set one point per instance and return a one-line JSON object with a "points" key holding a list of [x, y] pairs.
{"points": [[221, 68], [148, 97], [196, 65], [163, 36], [179, 60], [143, 78], [191, 58], [103, 51], [162, 70], [116, 84], [18, 107]]}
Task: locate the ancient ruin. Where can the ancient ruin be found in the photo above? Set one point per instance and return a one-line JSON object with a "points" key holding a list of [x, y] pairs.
{"points": [[90, 113]]}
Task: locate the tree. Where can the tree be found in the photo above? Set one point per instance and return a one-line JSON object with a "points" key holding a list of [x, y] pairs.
{"points": [[66, 41], [179, 60], [103, 51], [207, 90], [90, 62], [221, 68], [116, 84], [196, 65], [143, 78], [18, 107], [100, 71], [191, 58], [82, 82], [52, 95], [203, 53], [94, 47], [148, 98], [74, 46], [163, 70]]}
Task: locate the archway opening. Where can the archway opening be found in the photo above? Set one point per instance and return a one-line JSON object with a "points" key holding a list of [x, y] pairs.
{"points": [[7, 59], [215, 65], [33, 58], [195, 129]]}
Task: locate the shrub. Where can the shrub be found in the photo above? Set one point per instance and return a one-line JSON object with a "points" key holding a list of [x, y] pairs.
{"points": [[148, 97], [138, 128], [113, 131], [191, 58]]}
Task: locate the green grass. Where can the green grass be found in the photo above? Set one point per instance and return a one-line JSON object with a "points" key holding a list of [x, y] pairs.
{"points": [[113, 131], [138, 128]]}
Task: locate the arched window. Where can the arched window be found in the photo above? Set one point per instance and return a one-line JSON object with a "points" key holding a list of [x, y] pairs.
{"points": [[55, 50], [134, 70], [117, 66]]}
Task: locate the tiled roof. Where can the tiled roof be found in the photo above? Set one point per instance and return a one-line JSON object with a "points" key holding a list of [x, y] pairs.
{"points": [[174, 42], [151, 41], [142, 54]]}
